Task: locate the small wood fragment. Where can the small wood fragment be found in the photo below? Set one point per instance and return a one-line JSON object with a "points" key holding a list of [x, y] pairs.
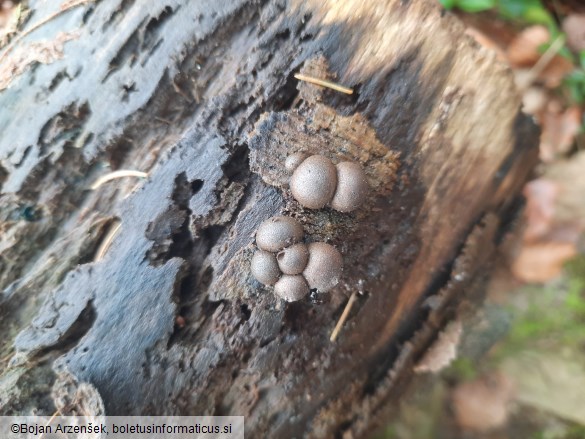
{"points": [[324, 83], [165, 121], [105, 245], [51, 419], [343, 317], [117, 174]]}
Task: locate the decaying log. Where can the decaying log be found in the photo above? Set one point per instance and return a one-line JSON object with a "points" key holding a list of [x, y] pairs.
{"points": [[202, 96]]}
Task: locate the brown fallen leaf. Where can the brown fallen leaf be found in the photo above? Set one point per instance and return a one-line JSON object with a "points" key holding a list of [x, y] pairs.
{"points": [[541, 262], [483, 404], [45, 52], [574, 28], [524, 51], [6, 7], [554, 221], [541, 196], [9, 16], [555, 71], [559, 128]]}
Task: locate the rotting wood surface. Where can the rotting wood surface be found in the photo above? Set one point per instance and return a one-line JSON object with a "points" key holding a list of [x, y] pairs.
{"points": [[201, 95]]}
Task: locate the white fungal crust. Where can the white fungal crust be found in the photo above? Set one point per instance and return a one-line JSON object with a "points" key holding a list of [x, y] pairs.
{"points": [[352, 187], [314, 181], [293, 259], [291, 288], [324, 268], [264, 267], [278, 232]]}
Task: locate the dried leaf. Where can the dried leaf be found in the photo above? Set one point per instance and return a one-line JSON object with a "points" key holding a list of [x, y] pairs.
{"points": [[482, 404], [555, 71], [22, 58], [541, 196], [559, 129], [523, 51], [9, 17], [541, 262]]}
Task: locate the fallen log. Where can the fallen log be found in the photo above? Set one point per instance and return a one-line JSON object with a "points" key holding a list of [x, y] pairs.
{"points": [[165, 317]]}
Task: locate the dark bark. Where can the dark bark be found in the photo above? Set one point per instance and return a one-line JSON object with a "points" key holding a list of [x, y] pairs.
{"points": [[202, 97]]}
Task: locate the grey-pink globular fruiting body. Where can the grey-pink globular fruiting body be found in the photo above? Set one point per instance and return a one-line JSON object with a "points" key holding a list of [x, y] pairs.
{"points": [[314, 181], [264, 267], [323, 271], [293, 259], [291, 287], [278, 232], [352, 187], [292, 267]]}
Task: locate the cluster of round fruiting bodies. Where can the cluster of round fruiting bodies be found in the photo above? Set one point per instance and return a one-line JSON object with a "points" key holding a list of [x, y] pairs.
{"points": [[283, 260], [294, 268], [316, 182]]}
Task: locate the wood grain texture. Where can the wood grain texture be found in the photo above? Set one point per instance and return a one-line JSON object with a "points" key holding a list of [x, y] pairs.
{"points": [[202, 97]]}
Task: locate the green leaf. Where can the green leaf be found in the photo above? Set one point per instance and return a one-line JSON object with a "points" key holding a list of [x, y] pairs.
{"points": [[516, 8], [531, 11], [537, 15], [565, 52], [475, 5], [575, 85], [448, 4]]}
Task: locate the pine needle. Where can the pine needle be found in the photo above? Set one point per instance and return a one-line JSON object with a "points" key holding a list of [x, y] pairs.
{"points": [[107, 242], [57, 413], [117, 174], [343, 317], [324, 83]]}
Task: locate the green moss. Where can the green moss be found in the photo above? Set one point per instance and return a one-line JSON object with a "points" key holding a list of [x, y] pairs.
{"points": [[389, 432], [567, 432], [553, 316], [462, 369]]}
